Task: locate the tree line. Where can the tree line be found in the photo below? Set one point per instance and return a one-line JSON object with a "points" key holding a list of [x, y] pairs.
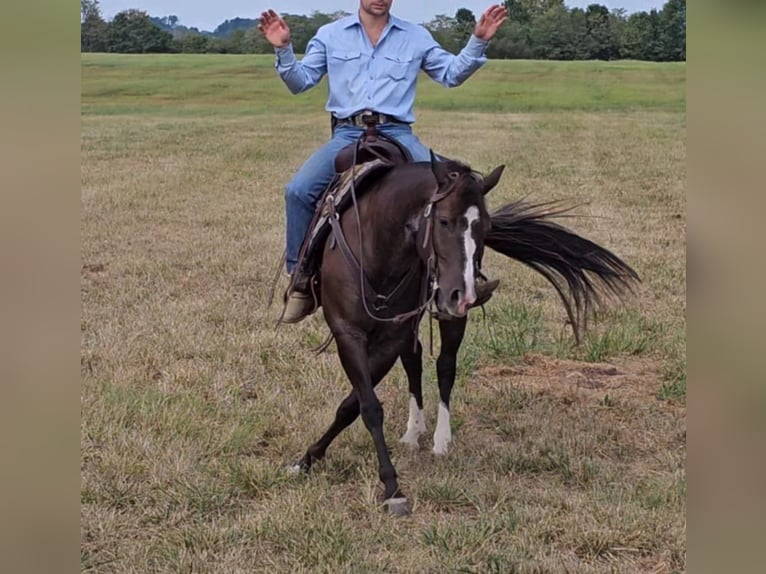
{"points": [[536, 29]]}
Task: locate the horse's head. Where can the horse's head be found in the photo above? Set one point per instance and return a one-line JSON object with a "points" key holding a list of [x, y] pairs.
{"points": [[460, 223]]}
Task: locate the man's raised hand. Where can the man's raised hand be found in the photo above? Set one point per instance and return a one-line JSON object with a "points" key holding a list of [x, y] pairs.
{"points": [[490, 21], [274, 28]]}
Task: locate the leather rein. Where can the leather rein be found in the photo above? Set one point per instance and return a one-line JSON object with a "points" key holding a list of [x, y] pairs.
{"points": [[374, 302]]}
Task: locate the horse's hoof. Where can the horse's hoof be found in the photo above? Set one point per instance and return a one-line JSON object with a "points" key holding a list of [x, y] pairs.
{"points": [[441, 448], [410, 440], [299, 467], [398, 506]]}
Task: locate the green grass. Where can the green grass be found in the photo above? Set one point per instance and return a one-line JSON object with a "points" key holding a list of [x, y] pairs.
{"points": [[565, 458], [185, 85]]}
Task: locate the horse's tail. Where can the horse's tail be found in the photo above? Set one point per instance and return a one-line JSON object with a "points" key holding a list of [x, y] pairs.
{"points": [[580, 270]]}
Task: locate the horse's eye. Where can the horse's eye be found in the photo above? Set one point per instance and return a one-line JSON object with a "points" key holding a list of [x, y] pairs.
{"points": [[444, 222], [453, 175]]}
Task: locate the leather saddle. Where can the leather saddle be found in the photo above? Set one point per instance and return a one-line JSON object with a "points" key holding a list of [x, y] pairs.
{"points": [[370, 148], [355, 164]]}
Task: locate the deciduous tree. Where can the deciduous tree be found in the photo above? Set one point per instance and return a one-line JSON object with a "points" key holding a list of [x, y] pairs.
{"points": [[132, 32], [93, 29]]}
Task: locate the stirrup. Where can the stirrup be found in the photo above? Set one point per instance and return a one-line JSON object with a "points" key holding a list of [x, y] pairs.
{"points": [[301, 298], [297, 307]]}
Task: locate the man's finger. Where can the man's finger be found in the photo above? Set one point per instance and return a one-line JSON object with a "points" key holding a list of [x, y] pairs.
{"points": [[498, 11]]}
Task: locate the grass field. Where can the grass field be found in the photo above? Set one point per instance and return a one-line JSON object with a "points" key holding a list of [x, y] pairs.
{"points": [[565, 458]]}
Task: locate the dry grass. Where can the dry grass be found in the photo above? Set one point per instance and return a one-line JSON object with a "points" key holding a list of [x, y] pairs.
{"points": [[565, 459]]}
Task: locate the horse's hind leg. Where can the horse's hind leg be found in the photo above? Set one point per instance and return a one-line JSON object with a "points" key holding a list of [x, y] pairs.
{"points": [[412, 361], [451, 333]]}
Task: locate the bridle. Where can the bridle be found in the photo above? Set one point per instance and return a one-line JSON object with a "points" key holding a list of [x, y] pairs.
{"points": [[372, 301]]}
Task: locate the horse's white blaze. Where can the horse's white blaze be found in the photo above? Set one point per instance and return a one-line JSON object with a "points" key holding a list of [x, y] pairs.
{"points": [[416, 425], [443, 434], [469, 243]]}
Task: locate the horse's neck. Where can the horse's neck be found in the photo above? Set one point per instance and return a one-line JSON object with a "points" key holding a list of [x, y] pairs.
{"points": [[391, 215]]}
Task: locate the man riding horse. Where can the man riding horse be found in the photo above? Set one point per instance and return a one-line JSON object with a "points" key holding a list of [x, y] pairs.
{"points": [[372, 60]]}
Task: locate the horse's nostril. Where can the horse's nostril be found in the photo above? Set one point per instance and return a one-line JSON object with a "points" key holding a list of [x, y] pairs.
{"points": [[456, 296]]}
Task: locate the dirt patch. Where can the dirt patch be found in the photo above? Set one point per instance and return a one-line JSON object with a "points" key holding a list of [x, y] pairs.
{"points": [[629, 378]]}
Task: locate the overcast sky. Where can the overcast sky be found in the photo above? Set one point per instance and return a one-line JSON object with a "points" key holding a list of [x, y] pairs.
{"points": [[207, 15]]}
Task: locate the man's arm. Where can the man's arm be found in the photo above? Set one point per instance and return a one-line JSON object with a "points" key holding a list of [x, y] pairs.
{"points": [[298, 75], [450, 70], [301, 75]]}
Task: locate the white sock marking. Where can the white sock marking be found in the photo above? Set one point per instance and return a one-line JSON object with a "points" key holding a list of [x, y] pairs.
{"points": [[472, 215], [443, 434], [416, 425]]}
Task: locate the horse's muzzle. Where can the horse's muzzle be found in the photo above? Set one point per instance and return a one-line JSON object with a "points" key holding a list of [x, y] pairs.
{"points": [[458, 302]]}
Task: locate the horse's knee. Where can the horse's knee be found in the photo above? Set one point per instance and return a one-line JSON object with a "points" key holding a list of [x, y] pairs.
{"points": [[372, 415], [348, 410]]}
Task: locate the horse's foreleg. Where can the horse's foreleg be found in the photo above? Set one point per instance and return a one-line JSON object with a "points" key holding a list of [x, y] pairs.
{"points": [[364, 372], [451, 333], [412, 361], [345, 415]]}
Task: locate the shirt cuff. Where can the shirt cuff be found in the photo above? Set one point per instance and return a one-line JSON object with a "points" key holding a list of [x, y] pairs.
{"points": [[285, 56], [476, 47]]}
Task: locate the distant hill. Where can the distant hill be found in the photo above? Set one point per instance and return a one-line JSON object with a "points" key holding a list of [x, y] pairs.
{"points": [[170, 24], [229, 26]]}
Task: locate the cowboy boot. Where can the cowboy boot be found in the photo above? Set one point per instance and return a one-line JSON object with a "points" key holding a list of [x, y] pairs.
{"points": [[300, 301], [484, 287], [484, 291]]}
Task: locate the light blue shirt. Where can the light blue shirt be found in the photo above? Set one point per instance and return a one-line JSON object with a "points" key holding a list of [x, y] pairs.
{"points": [[381, 78]]}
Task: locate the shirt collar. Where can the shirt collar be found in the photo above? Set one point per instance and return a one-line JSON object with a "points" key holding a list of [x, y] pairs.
{"points": [[393, 21]]}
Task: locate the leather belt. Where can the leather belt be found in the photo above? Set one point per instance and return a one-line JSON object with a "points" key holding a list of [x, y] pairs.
{"points": [[359, 119]]}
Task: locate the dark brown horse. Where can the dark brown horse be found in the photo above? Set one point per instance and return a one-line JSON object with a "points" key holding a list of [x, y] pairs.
{"points": [[418, 233]]}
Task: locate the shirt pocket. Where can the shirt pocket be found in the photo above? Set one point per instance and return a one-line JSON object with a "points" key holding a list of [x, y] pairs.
{"points": [[398, 67], [343, 63], [341, 57]]}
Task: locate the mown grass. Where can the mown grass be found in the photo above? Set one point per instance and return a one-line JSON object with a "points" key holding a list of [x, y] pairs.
{"points": [[565, 458], [194, 85]]}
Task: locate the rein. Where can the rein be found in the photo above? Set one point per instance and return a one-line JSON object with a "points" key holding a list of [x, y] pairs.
{"points": [[425, 248]]}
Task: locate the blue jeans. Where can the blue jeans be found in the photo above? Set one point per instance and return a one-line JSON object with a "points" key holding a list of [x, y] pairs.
{"points": [[303, 191]]}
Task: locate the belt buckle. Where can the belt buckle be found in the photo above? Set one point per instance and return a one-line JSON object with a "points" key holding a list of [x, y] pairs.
{"points": [[368, 114]]}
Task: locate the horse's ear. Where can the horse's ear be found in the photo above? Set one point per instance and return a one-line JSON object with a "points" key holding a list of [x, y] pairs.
{"points": [[438, 168], [491, 180]]}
